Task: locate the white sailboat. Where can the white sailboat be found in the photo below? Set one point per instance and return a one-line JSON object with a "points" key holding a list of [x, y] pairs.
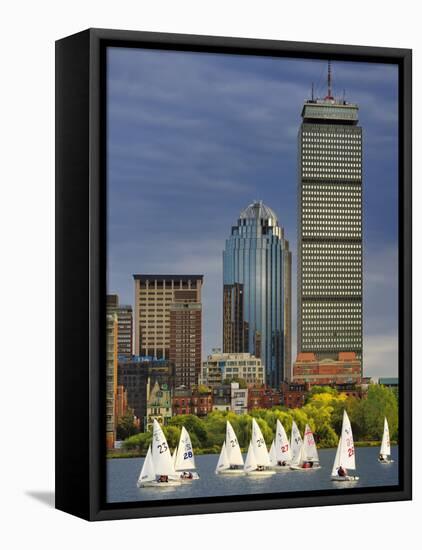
{"points": [[296, 444], [185, 460], [308, 459], [157, 469], [223, 463], [345, 455], [233, 453], [385, 451], [282, 448], [273, 458], [258, 460]]}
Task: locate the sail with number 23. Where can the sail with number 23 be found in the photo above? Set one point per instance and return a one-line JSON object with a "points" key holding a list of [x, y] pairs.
{"points": [[158, 469]]}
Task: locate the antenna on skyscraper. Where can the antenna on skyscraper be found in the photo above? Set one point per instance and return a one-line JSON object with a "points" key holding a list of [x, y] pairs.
{"points": [[312, 91]]}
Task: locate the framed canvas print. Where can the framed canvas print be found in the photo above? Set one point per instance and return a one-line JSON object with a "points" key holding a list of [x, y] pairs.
{"points": [[233, 274]]}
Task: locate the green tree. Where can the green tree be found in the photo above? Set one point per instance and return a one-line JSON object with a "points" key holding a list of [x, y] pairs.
{"points": [[125, 426], [139, 442]]}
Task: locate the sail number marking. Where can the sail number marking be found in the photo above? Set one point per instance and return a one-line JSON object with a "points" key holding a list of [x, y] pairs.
{"points": [[162, 448]]}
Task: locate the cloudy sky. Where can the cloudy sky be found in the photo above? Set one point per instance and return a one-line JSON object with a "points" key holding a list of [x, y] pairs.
{"points": [[193, 138]]}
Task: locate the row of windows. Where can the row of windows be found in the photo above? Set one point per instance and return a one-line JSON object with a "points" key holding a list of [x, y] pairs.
{"points": [[329, 190], [331, 247], [341, 308], [308, 135]]}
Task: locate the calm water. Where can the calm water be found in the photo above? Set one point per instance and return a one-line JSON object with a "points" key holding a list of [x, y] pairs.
{"points": [[122, 475]]}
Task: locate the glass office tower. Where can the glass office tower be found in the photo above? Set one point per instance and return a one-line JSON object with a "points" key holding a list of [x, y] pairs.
{"points": [[257, 291], [330, 228]]}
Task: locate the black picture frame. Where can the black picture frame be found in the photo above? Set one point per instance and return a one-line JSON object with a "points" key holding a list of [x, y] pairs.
{"points": [[80, 272]]}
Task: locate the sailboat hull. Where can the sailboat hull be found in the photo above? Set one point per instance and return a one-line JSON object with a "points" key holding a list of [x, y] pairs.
{"points": [[344, 478], [281, 468], [229, 472], [301, 469], [259, 473], [160, 484], [389, 461]]}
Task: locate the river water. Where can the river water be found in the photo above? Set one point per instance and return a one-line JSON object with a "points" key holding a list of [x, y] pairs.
{"points": [[122, 475]]}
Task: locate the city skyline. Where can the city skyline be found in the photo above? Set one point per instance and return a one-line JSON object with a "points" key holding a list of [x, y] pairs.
{"points": [[194, 151]]}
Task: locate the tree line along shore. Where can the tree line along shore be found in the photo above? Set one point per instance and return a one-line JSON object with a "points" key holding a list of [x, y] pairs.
{"points": [[323, 411]]}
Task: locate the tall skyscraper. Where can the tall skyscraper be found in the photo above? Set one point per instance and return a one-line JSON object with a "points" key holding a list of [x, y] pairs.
{"points": [[111, 379], [186, 337], [154, 297], [257, 291], [330, 228], [125, 324]]}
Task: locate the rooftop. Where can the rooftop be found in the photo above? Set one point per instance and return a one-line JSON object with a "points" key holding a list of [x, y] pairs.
{"points": [[258, 210], [146, 277]]}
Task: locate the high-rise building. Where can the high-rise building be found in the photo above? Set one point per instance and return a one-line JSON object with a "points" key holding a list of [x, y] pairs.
{"points": [[329, 286], [186, 337], [111, 379], [154, 296], [125, 324], [257, 291]]}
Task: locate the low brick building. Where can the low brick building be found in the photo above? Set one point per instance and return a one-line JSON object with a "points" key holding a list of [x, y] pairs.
{"points": [[293, 395], [346, 369], [263, 397], [192, 401]]}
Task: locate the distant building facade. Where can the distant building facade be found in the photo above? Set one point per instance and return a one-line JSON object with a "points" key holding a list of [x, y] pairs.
{"points": [[329, 281], [344, 369], [294, 394], [389, 382], [121, 402], [154, 297], [192, 401], [264, 397], [133, 376], [111, 379], [186, 337], [257, 291], [125, 324], [159, 405], [225, 366], [239, 399]]}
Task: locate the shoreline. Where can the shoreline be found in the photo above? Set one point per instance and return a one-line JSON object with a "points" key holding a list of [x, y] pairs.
{"points": [[118, 453]]}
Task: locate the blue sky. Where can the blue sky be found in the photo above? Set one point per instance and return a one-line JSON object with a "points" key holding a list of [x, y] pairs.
{"points": [[193, 138]]}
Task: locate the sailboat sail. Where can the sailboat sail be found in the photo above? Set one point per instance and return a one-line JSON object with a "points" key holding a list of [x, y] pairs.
{"points": [[232, 447], [296, 444], [385, 443], [163, 463], [336, 464], [185, 459], [273, 457], [223, 460], [258, 445], [147, 472], [173, 457], [250, 463], [282, 444], [310, 452], [347, 450]]}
